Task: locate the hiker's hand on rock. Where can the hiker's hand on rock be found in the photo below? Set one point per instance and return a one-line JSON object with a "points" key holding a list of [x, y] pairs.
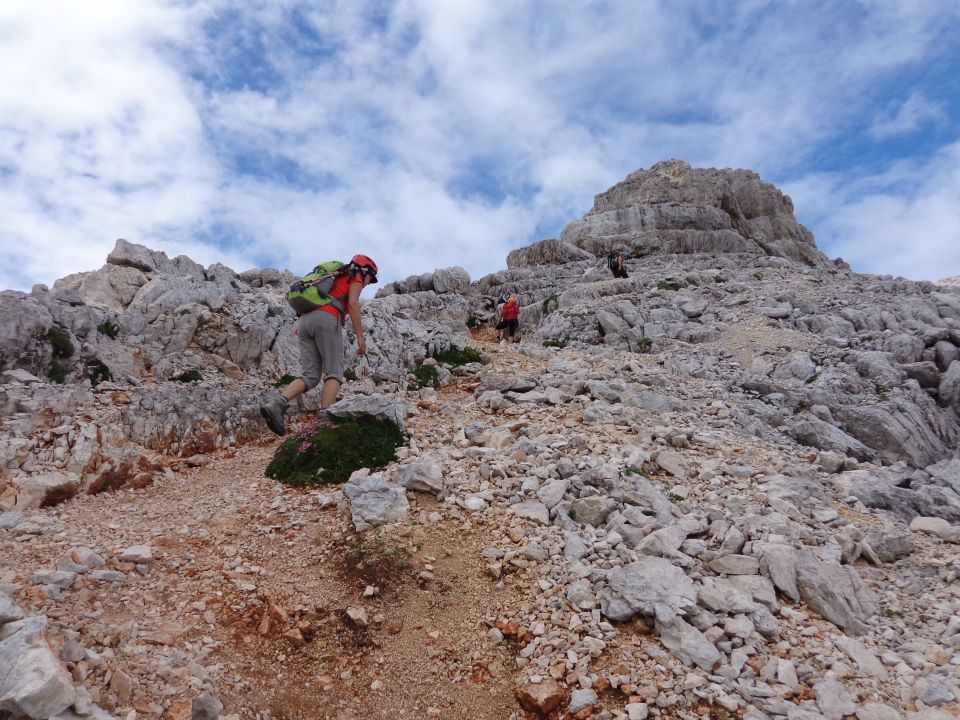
{"points": [[361, 346]]}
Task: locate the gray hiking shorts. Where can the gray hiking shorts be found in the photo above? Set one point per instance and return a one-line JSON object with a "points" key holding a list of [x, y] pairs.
{"points": [[321, 347]]}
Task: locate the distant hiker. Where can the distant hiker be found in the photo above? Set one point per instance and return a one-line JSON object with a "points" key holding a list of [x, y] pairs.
{"points": [[323, 299], [509, 320], [617, 264]]}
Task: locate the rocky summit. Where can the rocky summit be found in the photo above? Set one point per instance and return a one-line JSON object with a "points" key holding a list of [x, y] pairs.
{"points": [[727, 485]]}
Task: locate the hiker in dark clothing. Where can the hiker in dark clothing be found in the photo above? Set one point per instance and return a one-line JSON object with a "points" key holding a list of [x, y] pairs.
{"points": [[617, 262]]}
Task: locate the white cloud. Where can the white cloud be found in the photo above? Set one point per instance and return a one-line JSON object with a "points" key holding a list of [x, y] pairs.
{"points": [[441, 133], [904, 222], [907, 117]]}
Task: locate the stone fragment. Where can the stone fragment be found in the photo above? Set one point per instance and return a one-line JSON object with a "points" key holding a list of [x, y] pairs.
{"points": [[936, 526], [889, 543], [835, 592], [865, 662], [9, 610], [592, 510], [374, 501], [424, 477], [358, 616], [381, 407], [877, 711], [45, 489], [541, 698], [833, 699], [688, 644], [532, 510], [735, 565], [581, 700], [205, 707], [137, 554], [32, 681], [650, 585]]}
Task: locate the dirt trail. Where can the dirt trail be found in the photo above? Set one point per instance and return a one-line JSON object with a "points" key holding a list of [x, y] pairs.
{"points": [[249, 591]]}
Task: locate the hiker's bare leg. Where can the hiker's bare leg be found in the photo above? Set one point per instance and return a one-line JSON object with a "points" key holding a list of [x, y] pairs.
{"points": [[295, 389], [331, 386]]}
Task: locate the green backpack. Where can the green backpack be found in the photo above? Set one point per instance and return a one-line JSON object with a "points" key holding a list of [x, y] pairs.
{"points": [[312, 291]]}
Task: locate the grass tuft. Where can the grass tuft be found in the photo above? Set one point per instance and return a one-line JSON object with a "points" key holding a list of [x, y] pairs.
{"points": [[379, 558], [188, 376], [110, 329], [456, 357]]}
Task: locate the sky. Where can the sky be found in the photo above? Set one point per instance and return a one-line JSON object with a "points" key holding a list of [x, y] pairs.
{"points": [[430, 133]]}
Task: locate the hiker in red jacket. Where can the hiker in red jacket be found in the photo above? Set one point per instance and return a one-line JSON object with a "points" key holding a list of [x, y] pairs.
{"points": [[509, 320]]}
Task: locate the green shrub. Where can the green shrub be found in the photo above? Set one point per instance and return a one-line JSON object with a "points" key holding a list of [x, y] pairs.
{"points": [[97, 371], [379, 558], [349, 374], [329, 452], [110, 329], [557, 343], [664, 285], [644, 344], [554, 300], [284, 381], [57, 372], [426, 374], [62, 347], [473, 323], [188, 376], [456, 357], [233, 284]]}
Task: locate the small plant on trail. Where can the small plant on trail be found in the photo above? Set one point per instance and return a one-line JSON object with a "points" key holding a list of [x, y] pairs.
{"points": [[644, 344], [349, 374], [633, 470], [110, 329], [188, 376], [284, 381], [455, 357], [666, 285], [426, 374], [378, 557], [557, 343], [329, 452], [473, 323], [62, 347]]}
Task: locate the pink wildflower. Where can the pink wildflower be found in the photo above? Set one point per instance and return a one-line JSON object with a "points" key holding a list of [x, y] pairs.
{"points": [[304, 446]]}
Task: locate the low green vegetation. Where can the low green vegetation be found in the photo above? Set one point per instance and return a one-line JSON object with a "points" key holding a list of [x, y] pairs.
{"points": [[188, 376], [282, 382], [349, 374], [97, 371], [557, 342], [110, 329], [60, 340], [329, 452], [426, 374], [57, 372], [456, 357], [644, 344], [665, 285]]}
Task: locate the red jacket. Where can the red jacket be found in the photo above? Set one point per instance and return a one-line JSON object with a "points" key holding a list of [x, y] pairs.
{"points": [[510, 311]]}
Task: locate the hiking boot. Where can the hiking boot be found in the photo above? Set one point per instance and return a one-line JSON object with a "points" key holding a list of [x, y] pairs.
{"points": [[273, 410]]}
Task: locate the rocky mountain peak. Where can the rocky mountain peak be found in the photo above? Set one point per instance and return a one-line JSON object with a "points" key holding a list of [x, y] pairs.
{"points": [[675, 208]]}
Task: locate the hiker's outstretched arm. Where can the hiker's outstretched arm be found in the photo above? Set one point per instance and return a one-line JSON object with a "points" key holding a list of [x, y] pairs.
{"points": [[353, 310]]}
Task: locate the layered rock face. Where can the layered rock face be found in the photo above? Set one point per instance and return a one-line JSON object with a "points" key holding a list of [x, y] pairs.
{"points": [[111, 374], [674, 208]]}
